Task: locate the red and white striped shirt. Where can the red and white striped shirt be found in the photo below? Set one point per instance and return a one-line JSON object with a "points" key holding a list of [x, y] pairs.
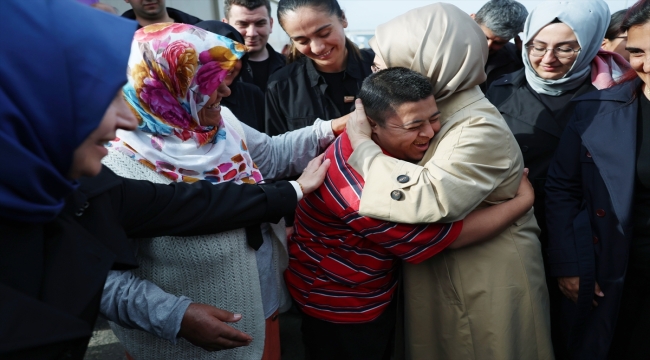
{"points": [[342, 265]]}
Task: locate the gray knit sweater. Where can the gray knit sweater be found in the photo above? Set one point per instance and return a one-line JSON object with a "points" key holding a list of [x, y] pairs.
{"points": [[218, 269]]}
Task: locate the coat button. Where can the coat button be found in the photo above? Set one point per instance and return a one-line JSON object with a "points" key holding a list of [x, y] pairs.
{"points": [[402, 179], [588, 154], [595, 240], [524, 148], [600, 213], [396, 195]]}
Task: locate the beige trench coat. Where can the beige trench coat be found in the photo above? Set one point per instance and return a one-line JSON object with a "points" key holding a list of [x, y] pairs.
{"points": [[487, 301]]}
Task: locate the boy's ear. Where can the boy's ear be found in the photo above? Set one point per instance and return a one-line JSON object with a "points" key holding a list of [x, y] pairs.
{"points": [[373, 124]]}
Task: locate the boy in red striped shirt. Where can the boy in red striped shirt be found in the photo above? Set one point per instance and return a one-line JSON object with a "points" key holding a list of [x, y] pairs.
{"points": [[342, 266]]}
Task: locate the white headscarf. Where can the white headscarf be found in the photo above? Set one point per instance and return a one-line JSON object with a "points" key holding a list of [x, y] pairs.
{"points": [[588, 19]]}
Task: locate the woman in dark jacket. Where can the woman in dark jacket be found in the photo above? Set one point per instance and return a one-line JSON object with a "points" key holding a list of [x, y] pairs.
{"points": [[598, 211], [561, 46], [59, 236], [246, 100], [325, 68]]}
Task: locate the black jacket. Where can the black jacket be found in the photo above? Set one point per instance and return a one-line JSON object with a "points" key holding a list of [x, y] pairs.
{"points": [[296, 96], [247, 103], [277, 62], [537, 131], [590, 212], [505, 61], [52, 275], [177, 15]]}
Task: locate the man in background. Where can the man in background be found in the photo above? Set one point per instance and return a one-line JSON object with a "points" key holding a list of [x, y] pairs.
{"points": [[252, 18], [501, 20], [147, 12]]}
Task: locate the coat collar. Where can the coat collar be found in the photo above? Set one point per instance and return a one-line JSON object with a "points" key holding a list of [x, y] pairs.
{"points": [[353, 68], [522, 93], [610, 138]]}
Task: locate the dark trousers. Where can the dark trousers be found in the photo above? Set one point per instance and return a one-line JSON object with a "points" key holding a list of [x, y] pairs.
{"points": [[633, 326], [373, 340]]}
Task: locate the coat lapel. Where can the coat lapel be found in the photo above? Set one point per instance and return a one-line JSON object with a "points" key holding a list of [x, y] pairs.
{"points": [[611, 140]]}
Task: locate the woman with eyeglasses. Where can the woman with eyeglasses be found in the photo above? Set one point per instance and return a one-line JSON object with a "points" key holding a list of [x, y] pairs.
{"points": [[562, 61]]}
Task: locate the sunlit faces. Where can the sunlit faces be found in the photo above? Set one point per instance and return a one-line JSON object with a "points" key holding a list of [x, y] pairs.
{"points": [[254, 25], [639, 48], [232, 74], [87, 157], [148, 9], [210, 113], [319, 36], [617, 45], [553, 36], [406, 134]]}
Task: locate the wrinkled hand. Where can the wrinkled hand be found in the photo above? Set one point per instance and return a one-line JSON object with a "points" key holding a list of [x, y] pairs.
{"points": [[358, 126], [525, 190], [204, 326], [314, 174], [570, 285]]}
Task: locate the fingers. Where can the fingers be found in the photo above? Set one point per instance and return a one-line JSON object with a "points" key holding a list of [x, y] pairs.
{"points": [[224, 315], [598, 292], [359, 109], [526, 171], [569, 287]]}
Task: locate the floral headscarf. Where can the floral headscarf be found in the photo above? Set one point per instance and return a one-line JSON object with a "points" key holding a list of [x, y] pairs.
{"points": [[173, 70]]}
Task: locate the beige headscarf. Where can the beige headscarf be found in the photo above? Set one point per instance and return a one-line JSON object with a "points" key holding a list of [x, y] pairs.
{"points": [[439, 41]]}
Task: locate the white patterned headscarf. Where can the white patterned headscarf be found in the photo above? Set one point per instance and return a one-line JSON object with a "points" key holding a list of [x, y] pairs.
{"points": [[173, 70], [588, 19]]}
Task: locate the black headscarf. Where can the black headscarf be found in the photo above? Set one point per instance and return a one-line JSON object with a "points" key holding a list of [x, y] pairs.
{"points": [[61, 65]]}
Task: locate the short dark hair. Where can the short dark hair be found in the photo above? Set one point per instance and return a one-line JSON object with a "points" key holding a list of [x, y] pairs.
{"points": [[638, 14], [614, 28], [385, 90], [248, 4], [505, 18]]}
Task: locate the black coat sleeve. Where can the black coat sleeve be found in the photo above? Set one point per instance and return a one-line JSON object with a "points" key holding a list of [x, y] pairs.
{"points": [[274, 122], [564, 205], [146, 209]]}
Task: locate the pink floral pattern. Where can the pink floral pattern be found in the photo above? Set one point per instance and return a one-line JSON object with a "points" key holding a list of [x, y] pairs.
{"points": [[173, 70]]}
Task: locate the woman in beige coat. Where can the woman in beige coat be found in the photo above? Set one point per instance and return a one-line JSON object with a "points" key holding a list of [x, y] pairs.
{"points": [[487, 301]]}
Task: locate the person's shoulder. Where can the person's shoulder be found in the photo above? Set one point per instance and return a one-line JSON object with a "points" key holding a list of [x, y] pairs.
{"points": [[276, 56], [623, 92], [502, 88], [129, 14], [182, 17], [289, 72]]}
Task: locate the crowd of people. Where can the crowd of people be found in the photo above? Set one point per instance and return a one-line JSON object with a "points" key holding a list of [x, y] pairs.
{"points": [[456, 191]]}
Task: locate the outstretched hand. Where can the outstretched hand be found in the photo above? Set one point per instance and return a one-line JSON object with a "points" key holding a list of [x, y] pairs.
{"points": [[205, 326], [314, 174], [358, 127]]}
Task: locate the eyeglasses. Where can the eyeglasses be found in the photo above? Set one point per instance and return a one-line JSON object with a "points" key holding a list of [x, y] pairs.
{"points": [[560, 52]]}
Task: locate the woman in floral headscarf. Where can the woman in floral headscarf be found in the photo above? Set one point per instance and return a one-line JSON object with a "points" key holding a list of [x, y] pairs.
{"points": [[175, 87]]}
